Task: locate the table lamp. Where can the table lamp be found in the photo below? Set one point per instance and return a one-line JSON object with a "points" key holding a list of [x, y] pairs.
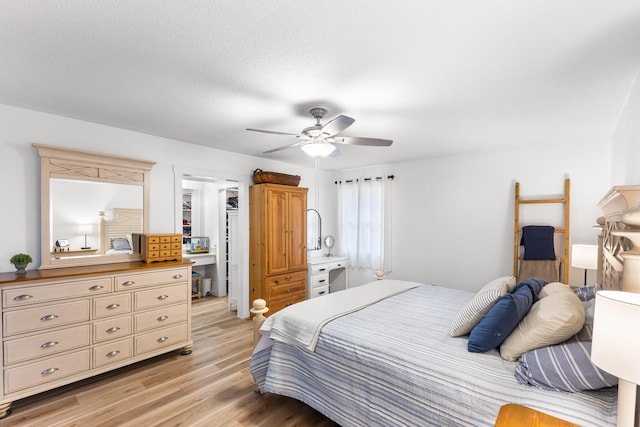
{"points": [[614, 350], [85, 229], [586, 257]]}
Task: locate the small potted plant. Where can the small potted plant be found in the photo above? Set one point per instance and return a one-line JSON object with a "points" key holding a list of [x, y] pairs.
{"points": [[20, 262]]}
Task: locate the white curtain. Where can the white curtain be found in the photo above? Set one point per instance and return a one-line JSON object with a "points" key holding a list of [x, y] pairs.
{"points": [[363, 223]]}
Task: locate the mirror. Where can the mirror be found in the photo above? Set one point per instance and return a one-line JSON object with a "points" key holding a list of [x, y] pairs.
{"points": [[314, 230], [93, 202], [329, 241]]}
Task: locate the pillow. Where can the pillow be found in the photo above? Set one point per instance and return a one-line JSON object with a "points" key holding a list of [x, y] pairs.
{"points": [[120, 244], [484, 299], [552, 320], [553, 288], [564, 367], [503, 317]]}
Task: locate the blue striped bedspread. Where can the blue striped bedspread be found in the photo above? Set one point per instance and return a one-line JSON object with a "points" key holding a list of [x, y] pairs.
{"points": [[393, 364]]}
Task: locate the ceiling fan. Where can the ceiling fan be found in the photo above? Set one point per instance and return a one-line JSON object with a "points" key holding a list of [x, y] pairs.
{"points": [[318, 140]]}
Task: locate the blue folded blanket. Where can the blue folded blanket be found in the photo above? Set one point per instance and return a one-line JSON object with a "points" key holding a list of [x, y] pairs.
{"points": [[538, 242]]}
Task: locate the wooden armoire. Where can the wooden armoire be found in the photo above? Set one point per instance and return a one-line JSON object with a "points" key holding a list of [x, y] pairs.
{"points": [[277, 244]]}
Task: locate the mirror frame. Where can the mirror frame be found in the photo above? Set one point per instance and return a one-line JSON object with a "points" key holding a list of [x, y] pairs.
{"points": [[318, 243], [64, 163]]}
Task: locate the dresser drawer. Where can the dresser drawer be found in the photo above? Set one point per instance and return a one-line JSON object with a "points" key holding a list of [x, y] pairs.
{"points": [[109, 329], [111, 305], [39, 318], [319, 291], [52, 292], [161, 317], [339, 264], [112, 352], [160, 296], [279, 304], [132, 281], [319, 280], [287, 289], [161, 338], [319, 268], [43, 371], [45, 344]]}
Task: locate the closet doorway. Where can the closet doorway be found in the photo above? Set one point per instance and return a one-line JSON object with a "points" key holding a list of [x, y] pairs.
{"points": [[210, 205]]}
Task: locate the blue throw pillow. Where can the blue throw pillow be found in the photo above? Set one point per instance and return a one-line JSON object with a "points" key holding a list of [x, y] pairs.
{"points": [[504, 316]]}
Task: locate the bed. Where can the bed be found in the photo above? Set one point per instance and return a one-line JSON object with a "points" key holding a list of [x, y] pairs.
{"points": [[117, 226], [391, 360]]}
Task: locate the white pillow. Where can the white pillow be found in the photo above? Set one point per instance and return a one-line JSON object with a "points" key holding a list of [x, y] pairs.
{"points": [[480, 304], [552, 288], [552, 320]]}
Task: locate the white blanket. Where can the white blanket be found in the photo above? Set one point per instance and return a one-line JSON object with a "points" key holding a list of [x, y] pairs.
{"points": [[300, 324]]}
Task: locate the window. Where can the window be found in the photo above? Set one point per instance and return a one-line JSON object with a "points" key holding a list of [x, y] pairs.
{"points": [[364, 218]]}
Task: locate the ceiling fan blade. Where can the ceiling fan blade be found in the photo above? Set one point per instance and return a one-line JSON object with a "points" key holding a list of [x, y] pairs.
{"points": [[272, 131], [355, 140], [337, 125], [284, 147]]}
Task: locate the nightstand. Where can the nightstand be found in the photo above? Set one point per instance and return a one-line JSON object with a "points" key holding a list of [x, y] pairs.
{"points": [[517, 415]]}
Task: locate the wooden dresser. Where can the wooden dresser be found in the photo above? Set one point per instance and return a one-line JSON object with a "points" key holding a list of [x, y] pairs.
{"points": [[67, 324], [277, 244]]}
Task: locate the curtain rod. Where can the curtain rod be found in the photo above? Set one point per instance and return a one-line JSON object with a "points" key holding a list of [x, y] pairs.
{"points": [[377, 178]]}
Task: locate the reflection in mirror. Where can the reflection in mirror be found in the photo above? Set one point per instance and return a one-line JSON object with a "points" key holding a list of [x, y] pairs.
{"points": [[314, 230], [91, 203], [92, 215]]}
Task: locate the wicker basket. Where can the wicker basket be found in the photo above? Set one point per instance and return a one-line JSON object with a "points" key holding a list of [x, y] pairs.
{"points": [[266, 177]]}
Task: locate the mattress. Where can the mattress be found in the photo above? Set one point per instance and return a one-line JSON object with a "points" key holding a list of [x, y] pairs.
{"points": [[393, 364]]}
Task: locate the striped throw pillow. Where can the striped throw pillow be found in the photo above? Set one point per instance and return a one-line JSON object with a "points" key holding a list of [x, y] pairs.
{"points": [[480, 304], [564, 367]]}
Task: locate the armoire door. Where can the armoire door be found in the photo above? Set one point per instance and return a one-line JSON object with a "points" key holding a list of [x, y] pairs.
{"points": [[276, 231], [297, 230]]}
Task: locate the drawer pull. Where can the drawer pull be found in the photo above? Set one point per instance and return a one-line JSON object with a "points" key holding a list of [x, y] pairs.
{"points": [[288, 291], [113, 353], [339, 265], [162, 339], [96, 288], [163, 297], [321, 281], [323, 269], [321, 293], [22, 297], [49, 344], [112, 329], [48, 317], [112, 306], [128, 283], [288, 278], [177, 276], [49, 371], [163, 318]]}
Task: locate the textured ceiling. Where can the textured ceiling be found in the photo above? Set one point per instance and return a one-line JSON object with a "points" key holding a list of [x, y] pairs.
{"points": [[437, 77]]}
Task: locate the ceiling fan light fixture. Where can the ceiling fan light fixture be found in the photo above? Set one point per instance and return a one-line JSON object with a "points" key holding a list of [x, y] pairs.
{"points": [[318, 149]]}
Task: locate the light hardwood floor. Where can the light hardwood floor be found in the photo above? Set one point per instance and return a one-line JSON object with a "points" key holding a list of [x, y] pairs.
{"points": [[210, 387]]}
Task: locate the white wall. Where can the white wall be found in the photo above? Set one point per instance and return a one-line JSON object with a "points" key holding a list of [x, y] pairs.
{"points": [[626, 141], [453, 216]]}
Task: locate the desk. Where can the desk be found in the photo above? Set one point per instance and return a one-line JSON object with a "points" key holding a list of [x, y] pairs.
{"points": [[205, 264], [326, 275]]}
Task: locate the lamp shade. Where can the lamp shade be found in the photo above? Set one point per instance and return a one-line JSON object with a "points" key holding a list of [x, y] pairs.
{"points": [[584, 256], [615, 348], [85, 229], [319, 148]]}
